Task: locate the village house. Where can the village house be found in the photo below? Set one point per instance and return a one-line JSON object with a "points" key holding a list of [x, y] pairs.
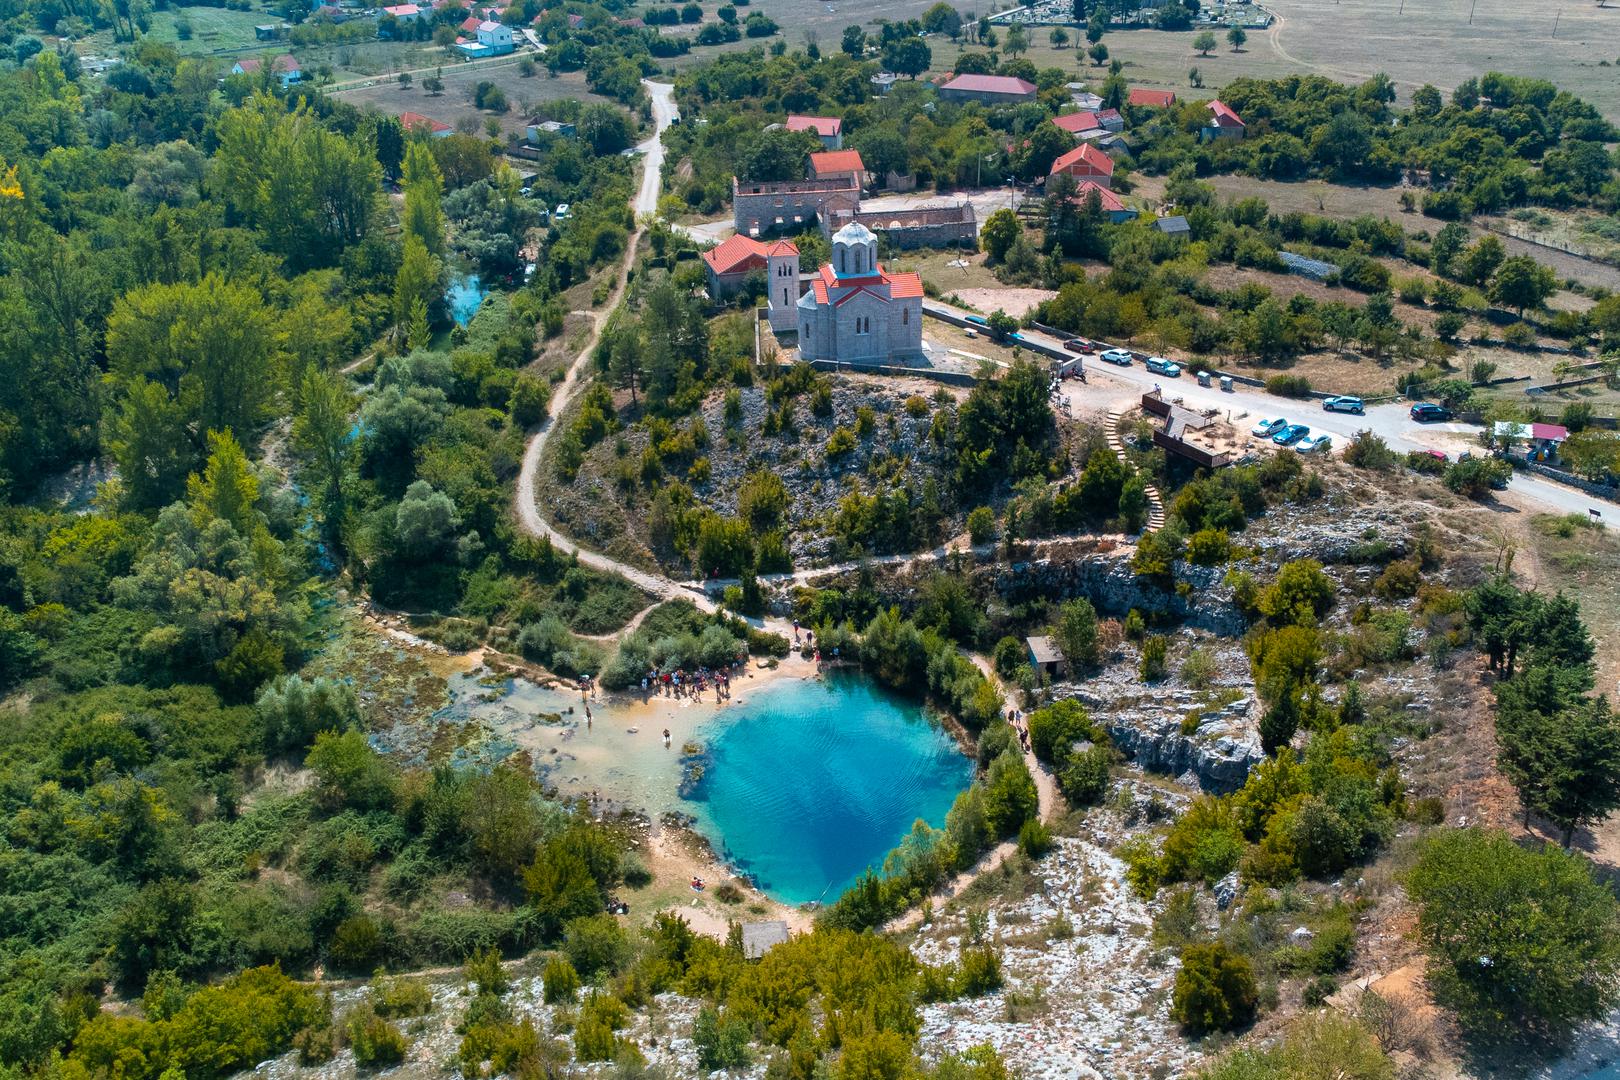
{"points": [[1539, 442], [1174, 225], [1079, 124], [285, 66], [1111, 120], [988, 89], [1113, 207], [549, 127], [833, 165], [759, 207], [403, 12], [829, 129], [1086, 162], [1151, 99], [729, 266], [416, 123], [855, 312], [1223, 122]]}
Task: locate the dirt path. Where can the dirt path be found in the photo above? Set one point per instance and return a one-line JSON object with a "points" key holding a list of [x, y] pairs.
{"points": [[1049, 801]]}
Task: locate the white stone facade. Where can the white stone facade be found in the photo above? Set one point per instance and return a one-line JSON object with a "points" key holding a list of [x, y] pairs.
{"points": [[856, 313]]}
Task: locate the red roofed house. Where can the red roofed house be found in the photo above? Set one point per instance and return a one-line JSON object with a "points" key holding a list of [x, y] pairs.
{"points": [[1223, 122], [285, 65], [855, 312], [829, 129], [470, 24], [1113, 207], [832, 164], [1078, 123], [1086, 162], [1151, 99], [403, 12], [414, 122], [989, 89], [729, 265]]}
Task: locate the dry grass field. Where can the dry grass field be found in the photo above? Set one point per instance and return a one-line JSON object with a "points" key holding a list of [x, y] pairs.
{"points": [[1413, 41], [455, 104]]}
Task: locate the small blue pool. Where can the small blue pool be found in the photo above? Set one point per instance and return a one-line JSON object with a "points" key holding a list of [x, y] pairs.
{"points": [[810, 782], [464, 295]]}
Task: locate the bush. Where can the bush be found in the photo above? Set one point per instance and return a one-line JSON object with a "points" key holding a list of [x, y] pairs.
{"points": [[595, 943], [634, 871], [1400, 580], [1368, 451], [981, 523], [979, 973], [1297, 386], [1209, 547], [1055, 728], [1154, 649], [560, 980], [721, 1040], [1215, 989], [1009, 657], [1034, 839], [1085, 779], [376, 1042], [1475, 477]]}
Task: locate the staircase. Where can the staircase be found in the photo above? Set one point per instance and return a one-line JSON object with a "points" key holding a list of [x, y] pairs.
{"points": [[1155, 520]]}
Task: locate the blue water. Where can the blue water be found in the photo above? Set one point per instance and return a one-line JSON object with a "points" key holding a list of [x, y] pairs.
{"points": [[808, 783], [465, 293]]}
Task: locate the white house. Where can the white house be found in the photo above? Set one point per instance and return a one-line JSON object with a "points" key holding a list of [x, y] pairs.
{"points": [[855, 312], [497, 36], [285, 66]]}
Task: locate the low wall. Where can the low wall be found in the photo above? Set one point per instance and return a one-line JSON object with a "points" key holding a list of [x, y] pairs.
{"points": [[1600, 491]]}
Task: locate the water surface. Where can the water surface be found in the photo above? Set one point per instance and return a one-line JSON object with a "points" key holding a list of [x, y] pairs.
{"points": [[464, 295], [809, 782]]}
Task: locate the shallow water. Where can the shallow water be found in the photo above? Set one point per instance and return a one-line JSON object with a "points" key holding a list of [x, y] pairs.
{"points": [[809, 782], [805, 782], [464, 295]]}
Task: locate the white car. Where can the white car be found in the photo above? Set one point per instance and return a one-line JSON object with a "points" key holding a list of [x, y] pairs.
{"points": [[1265, 429], [1122, 357], [1314, 444], [561, 211], [1160, 365]]}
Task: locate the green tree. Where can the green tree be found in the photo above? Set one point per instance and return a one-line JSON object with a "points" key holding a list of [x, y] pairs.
{"points": [[147, 436], [424, 191], [1519, 939], [1204, 42], [1521, 282], [1076, 633], [1236, 37], [416, 283], [1098, 53], [349, 774], [853, 42], [907, 56], [1000, 230], [1214, 990], [323, 435], [1010, 798]]}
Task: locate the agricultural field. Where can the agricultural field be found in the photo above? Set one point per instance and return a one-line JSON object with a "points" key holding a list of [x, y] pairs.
{"points": [[214, 30]]}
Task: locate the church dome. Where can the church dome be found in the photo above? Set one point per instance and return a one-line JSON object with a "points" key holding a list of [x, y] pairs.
{"points": [[854, 251]]}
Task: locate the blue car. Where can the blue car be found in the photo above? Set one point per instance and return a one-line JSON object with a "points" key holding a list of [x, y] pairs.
{"points": [[1290, 435], [978, 320]]}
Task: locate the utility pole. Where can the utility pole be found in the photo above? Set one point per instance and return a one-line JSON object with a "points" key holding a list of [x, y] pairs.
{"points": [[1556, 17], [1471, 8]]}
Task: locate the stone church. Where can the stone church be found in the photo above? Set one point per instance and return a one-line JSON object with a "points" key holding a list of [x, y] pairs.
{"points": [[857, 313]]}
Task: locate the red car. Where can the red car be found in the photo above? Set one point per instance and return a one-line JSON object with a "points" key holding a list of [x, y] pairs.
{"points": [[1079, 344]]}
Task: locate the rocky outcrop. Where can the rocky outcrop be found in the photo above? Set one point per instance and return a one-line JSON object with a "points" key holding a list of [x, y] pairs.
{"points": [[1220, 763], [1114, 588]]}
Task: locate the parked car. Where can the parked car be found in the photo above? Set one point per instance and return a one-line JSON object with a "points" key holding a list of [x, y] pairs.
{"points": [[1122, 357], [1343, 404], [1313, 443], [561, 213], [1265, 429], [978, 320], [1078, 344], [1290, 435], [1161, 366], [1428, 412], [1438, 455]]}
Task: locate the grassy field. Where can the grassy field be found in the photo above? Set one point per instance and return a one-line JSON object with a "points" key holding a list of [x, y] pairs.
{"points": [[213, 30]]}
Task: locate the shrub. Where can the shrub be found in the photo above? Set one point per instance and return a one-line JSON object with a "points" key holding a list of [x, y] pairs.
{"points": [[1055, 728], [721, 1040], [1215, 989], [376, 1042], [560, 980], [1297, 386], [1085, 779], [1474, 478], [634, 871], [1009, 657], [1368, 451], [981, 524], [1154, 648], [840, 442], [1400, 580], [1209, 547], [1427, 464], [595, 943], [979, 972], [1034, 839]]}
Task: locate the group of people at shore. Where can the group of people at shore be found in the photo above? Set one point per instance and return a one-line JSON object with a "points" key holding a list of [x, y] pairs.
{"points": [[694, 684]]}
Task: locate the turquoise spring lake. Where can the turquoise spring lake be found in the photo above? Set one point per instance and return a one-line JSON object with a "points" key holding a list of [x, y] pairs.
{"points": [[810, 782]]}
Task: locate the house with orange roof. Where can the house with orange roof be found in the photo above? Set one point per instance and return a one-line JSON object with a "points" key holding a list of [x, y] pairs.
{"points": [[837, 164], [1079, 124], [1223, 122], [285, 67], [829, 129], [988, 89], [1151, 99], [729, 266], [414, 122], [1086, 162], [855, 312], [1113, 207]]}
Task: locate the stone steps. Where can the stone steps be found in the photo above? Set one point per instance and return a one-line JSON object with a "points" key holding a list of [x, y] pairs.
{"points": [[1156, 517]]}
